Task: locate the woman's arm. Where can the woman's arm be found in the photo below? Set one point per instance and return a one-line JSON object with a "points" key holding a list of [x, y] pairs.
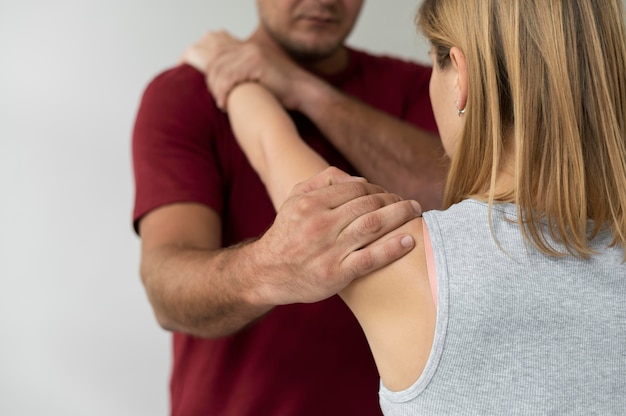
{"points": [[394, 305], [395, 308], [270, 140]]}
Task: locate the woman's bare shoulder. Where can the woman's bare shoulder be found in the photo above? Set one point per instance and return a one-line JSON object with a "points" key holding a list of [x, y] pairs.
{"points": [[385, 284], [395, 308]]}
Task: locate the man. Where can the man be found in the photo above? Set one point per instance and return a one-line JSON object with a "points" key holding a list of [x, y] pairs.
{"points": [[247, 291]]}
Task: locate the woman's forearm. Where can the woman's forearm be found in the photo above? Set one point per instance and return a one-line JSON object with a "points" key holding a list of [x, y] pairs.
{"points": [[270, 140]]}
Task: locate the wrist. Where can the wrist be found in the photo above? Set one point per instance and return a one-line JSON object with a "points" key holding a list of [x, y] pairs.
{"points": [[257, 292]]}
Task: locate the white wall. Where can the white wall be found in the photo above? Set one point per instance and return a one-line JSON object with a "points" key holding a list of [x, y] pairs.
{"points": [[77, 335]]}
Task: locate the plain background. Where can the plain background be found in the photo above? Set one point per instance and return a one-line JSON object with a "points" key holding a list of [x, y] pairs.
{"points": [[77, 335]]}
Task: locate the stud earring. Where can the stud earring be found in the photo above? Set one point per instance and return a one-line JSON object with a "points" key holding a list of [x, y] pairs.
{"points": [[459, 112]]}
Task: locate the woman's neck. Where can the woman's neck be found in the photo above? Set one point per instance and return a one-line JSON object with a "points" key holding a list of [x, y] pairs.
{"points": [[504, 188]]}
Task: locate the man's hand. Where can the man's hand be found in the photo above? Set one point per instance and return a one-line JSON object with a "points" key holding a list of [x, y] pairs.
{"points": [[227, 62], [321, 238], [401, 157], [320, 241], [202, 54]]}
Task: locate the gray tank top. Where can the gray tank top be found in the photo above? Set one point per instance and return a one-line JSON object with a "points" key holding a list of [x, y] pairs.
{"points": [[518, 332]]}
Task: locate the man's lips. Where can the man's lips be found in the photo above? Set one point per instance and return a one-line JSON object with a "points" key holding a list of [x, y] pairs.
{"points": [[319, 19]]}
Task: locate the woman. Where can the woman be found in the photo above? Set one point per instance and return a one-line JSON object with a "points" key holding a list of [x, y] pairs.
{"points": [[513, 300]]}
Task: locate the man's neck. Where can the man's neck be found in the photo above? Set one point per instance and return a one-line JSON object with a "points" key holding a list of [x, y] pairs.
{"points": [[329, 66], [325, 66]]}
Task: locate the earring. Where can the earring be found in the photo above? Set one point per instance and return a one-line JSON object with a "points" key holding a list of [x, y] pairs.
{"points": [[459, 112]]}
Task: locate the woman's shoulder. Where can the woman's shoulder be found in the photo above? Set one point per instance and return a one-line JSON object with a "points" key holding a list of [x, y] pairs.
{"points": [[406, 271], [395, 308]]}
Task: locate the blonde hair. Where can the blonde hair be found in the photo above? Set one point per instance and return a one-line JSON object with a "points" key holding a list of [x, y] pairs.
{"points": [[550, 75]]}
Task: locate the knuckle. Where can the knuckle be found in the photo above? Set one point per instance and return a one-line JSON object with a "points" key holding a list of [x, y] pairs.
{"points": [[376, 201], [406, 210], [305, 213], [361, 188], [305, 204], [361, 207], [363, 262], [389, 251], [351, 192], [333, 171], [372, 223], [327, 176]]}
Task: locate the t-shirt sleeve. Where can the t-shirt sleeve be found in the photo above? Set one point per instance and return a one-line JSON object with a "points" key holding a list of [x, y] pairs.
{"points": [[173, 144]]}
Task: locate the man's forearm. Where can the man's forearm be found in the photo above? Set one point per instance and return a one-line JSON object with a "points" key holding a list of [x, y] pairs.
{"points": [[201, 292], [387, 151]]}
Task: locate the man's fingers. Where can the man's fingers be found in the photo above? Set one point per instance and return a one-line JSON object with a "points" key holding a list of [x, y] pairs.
{"points": [[375, 256], [205, 51], [191, 57], [372, 225], [368, 203], [227, 71]]}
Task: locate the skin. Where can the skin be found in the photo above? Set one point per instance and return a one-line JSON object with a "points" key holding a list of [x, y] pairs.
{"points": [[199, 288], [320, 241], [394, 304], [297, 41], [309, 31], [448, 89]]}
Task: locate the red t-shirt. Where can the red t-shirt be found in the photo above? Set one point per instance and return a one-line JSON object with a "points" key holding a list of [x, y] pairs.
{"points": [[303, 359]]}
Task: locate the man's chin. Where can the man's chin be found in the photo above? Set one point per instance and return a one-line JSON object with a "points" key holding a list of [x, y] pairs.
{"points": [[312, 53]]}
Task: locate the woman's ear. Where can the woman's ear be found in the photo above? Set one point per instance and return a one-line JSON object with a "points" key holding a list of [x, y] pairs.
{"points": [[460, 65]]}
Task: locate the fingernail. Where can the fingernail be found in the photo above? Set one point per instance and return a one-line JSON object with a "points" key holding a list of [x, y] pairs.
{"points": [[406, 241], [417, 207]]}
